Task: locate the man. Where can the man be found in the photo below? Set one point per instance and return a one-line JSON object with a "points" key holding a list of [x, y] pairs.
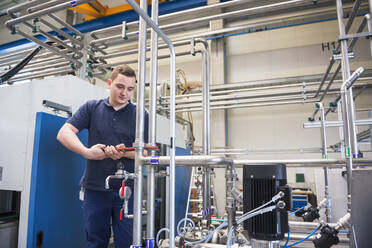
{"points": [[111, 124]]}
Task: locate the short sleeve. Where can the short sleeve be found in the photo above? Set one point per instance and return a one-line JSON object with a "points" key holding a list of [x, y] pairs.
{"points": [[81, 119]]}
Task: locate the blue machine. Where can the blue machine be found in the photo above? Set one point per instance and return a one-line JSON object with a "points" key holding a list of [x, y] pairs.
{"points": [[183, 175], [55, 213]]}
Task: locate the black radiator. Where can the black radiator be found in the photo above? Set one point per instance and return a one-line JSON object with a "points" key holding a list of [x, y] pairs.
{"points": [[260, 184]]}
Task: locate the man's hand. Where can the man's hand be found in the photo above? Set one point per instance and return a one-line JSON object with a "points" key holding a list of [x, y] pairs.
{"points": [[96, 152], [125, 154], [112, 153]]}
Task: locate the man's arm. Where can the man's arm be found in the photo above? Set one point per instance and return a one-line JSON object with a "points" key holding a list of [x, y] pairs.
{"points": [[67, 136]]}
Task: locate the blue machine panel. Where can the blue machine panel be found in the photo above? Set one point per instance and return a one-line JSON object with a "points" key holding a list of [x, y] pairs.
{"points": [[299, 201], [183, 175], [54, 207]]}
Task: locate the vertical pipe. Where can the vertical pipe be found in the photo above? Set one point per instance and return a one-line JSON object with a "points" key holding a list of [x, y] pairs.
{"points": [[344, 97], [206, 130], [206, 135], [139, 142], [230, 201], [325, 156], [370, 127], [369, 25], [152, 130], [345, 75], [172, 117]]}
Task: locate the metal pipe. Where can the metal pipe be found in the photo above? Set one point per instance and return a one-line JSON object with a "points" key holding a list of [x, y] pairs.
{"points": [[23, 6], [50, 48], [331, 62], [10, 23], [370, 127], [350, 117], [352, 43], [58, 41], [134, 51], [64, 70], [325, 156], [232, 106], [206, 129], [61, 32], [175, 14], [336, 123], [46, 5], [222, 162], [253, 10], [236, 97], [66, 25], [140, 124], [172, 135], [152, 128], [103, 65]]}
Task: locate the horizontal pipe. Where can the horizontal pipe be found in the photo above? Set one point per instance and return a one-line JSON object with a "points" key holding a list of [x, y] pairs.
{"points": [[171, 15], [317, 124], [10, 23], [222, 162], [250, 105], [64, 71], [66, 25], [135, 51], [102, 65], [253, 10]]}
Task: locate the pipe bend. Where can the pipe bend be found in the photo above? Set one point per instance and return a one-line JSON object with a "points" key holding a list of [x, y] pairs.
{"points": [[203, 41]]}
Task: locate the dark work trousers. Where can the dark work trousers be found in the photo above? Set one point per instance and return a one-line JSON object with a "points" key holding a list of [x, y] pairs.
{"points": [[98, 208]]}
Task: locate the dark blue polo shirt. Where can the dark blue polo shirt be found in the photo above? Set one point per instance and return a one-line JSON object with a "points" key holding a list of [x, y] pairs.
{"points": [[109, 127]]}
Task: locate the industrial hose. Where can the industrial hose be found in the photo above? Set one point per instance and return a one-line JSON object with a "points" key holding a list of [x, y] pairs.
{"points": [[9, 74]]}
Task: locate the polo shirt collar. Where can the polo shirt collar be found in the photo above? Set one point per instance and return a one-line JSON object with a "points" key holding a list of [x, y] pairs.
{"points": [[107, 103]]}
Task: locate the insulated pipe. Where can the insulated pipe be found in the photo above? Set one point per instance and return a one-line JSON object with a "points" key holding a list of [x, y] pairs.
{"points": [[172, 164], [140, 124], [325, 156], [152, 128], [345, 66]]}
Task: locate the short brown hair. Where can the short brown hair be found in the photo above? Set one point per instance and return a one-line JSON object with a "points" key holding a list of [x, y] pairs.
{"points": [[123, 70]]}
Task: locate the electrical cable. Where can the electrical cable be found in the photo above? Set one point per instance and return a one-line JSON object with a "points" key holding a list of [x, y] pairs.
{"points": [[246, 217], [286, 243], [302, 240], [292, 213]]}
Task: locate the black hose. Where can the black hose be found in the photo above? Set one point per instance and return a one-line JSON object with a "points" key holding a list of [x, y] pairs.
{"points": [[9, 74]]}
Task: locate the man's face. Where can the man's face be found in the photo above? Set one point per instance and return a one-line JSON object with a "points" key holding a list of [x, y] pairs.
{"points": [[121, 89]]}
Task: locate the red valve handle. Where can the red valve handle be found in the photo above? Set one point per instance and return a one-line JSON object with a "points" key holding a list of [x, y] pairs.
{"points": [[128, 149], [121, 214], [122, 189]]}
